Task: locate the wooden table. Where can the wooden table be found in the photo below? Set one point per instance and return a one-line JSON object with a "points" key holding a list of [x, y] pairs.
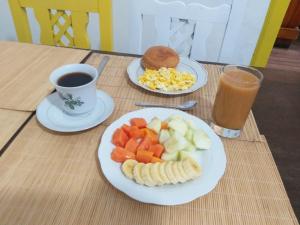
{"points": [[55, 178]]}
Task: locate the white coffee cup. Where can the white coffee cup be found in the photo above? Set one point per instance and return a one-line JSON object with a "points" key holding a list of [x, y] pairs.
{"points": [[80, 99]]}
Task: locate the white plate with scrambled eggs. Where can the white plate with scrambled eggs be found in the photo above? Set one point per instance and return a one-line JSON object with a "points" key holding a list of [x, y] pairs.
{"points": [[188, 77]]}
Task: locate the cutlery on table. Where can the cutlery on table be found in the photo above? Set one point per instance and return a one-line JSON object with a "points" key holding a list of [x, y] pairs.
{"points": [[183, 106], [102, 64]]}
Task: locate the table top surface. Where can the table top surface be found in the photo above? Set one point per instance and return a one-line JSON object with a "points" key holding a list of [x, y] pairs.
{"points": [[50, 172], [25, 69]]}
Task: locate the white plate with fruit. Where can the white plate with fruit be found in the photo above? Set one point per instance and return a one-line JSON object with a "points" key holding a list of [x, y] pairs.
{"points": [[161, 156]]}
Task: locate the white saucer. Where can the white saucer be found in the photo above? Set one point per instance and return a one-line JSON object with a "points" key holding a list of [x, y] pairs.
{"points": [[52, 117]]}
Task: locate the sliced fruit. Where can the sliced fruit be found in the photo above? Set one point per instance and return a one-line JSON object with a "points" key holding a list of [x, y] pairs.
{"points": [[164, 125], [132, 145], [135, 132], [157, 150], [119, 138], [201, 139], [196, 166], [155, 124], [128, 166], [117, 157], [171, 132], [175, 117], [175, 143], [151, 134], [179, 126], [146, 176], [121, 155], [169, 172], [155, 160], [137, 173], [145, 144], [144, 156], [181, 171], [177, 173], [182, 155], [164, 135], [191, 168], [162, 173], [191, 124], [138, 122], [189, 135], [189, 147], [126, 129], [169, 156], [155, 174]]}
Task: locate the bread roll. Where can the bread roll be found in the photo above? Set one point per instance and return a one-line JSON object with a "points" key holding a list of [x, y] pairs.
{"points": [[160, 56]]}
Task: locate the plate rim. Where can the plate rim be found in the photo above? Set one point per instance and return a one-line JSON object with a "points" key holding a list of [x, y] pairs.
{"points": [[219, 172], [40, 115], [136, 63]]}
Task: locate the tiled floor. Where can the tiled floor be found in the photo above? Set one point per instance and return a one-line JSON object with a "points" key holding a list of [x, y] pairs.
{"points": [[277, 112], [286, 59]]}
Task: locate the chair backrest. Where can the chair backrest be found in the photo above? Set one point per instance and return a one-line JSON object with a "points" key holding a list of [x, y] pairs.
{"points": [[177, 23], [63, 22]]}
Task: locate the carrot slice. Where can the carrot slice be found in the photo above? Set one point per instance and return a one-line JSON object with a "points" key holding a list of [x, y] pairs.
{"points": [[145, 144], [135, 132], [126, 129], [132, 145], [152, 135], [157, 150], [120, 155], [119, 138], [164, 125], [155, 160], [144, 156], [138, 122]]}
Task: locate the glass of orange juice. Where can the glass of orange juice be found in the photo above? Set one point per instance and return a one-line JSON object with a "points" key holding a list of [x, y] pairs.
{"points": [[238, 87]]}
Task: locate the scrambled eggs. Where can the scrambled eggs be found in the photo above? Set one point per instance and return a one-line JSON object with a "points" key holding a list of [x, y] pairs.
{"points": [[167, 79]]}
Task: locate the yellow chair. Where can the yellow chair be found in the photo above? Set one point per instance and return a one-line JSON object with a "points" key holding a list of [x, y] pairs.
{"points": [[50, 13]]}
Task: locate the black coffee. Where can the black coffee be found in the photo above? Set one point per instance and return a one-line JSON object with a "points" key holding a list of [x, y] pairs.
{"points": [[74, 79]]}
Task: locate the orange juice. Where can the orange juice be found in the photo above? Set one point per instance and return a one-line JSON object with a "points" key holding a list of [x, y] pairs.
{"points": [[238, 87]]}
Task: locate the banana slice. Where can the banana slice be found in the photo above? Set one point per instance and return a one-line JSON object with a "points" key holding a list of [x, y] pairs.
{"points": [[146, 176], [137, 173], [196, 167], [154, 172], [162, 173], [191, 168], [170, 173], [177, 174], [127, 168], [182, 172]]}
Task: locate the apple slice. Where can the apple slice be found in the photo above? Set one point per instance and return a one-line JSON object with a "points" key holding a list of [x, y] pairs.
{"points": [[201, 139]]}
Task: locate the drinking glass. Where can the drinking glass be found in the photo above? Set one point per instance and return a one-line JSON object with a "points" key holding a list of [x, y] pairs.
{"points": [[238, 87]]}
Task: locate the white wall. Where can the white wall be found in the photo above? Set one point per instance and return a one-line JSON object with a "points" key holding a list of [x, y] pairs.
{"points": [[240, 53], [243, 33], [7, 31]]}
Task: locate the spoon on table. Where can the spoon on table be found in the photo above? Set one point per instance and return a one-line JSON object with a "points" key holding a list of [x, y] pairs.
{"points": [[102, 64], [183, 106]]}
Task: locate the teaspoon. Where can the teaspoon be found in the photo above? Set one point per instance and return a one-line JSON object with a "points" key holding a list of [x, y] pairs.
{"points": [[183, 106]]}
